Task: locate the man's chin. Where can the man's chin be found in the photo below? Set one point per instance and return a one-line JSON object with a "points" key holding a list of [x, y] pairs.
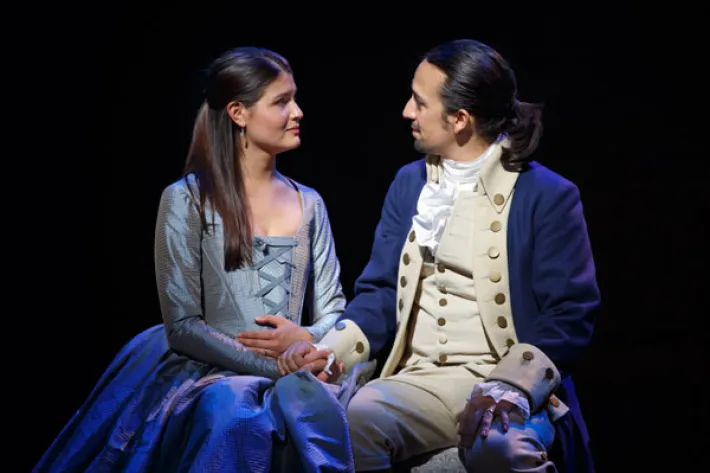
{"points": [[419, 146]]}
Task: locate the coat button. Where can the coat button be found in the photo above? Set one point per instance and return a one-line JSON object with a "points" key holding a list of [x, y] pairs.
{"points": [[442, 302], [502, 323], [495, 276], [405, 258], [500, 298], [412, 236], [401, 304], [528, 355], [440, 267], [510, 342], [359, 347], [441, 321], [403, 281], [496, 226], [549, 373], [498, 199], [443, 358], [493, 252], [340, 325]]}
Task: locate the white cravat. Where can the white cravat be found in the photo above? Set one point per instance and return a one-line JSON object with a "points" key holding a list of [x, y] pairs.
{"points": [[437, 199]]}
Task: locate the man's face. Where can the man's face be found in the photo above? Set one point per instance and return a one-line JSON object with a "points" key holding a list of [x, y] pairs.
{"points": [[432, 133]]}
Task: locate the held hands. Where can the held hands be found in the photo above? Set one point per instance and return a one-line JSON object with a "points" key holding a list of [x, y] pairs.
{"points": [[478, 416], [272, 343], [304, 356]]}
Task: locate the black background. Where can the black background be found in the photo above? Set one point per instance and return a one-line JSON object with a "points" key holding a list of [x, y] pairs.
{"points": [[103, 103]]}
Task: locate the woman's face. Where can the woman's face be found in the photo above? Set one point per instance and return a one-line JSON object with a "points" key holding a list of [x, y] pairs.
{"points": [[273, 122]]}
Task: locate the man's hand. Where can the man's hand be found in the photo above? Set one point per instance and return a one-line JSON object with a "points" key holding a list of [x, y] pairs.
{"points": [[478, 416], [304, 356], [272, 343]]}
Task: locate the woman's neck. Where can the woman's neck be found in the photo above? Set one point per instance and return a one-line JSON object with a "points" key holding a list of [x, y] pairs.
{"points": [[258, 169]]}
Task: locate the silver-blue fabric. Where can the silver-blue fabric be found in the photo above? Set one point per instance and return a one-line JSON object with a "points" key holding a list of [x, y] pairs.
{"points": [[204, 307]]}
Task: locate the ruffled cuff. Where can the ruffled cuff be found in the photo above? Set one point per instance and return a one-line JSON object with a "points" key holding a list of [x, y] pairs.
{"points": [[501, 391]]}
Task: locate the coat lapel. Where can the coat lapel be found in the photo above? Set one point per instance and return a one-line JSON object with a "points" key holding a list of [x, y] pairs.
{"points": [[410, 265], [490, 252]]}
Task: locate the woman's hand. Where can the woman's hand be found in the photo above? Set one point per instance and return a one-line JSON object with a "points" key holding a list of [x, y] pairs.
{"points": [[272, 343]]}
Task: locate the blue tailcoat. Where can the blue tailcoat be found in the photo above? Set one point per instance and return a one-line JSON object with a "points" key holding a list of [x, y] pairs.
{"points": [[553, 290]]}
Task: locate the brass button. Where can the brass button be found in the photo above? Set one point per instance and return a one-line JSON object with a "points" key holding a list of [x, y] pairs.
{"points": [[412, 235], [549, 373], [493, 252], [442, 358], [442, 302], [405, 258], [340, 326], [543, 456], [441, 321], [498, 199], [441, 267], [496, 226], [443, 339], [554, 401], [502, 323], [528, 356], [401, 304], [500, 298], [359, 347], [510, 342], [442, 288], [495, 276], [403, 281]]}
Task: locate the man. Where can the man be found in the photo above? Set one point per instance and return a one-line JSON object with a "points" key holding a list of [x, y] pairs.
{"points": [[481, 280]]}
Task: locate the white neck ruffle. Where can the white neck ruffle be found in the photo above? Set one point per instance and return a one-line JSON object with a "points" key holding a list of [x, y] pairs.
{"points": [[437, 198]]}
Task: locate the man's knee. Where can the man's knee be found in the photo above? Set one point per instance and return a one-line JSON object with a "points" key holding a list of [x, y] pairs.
{"points": [[505, 452], [368, 421], [364, 415], [492, 453]]}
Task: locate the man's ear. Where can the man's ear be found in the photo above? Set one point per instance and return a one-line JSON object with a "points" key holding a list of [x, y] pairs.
{"points": [[237, 112], [462, 120]]}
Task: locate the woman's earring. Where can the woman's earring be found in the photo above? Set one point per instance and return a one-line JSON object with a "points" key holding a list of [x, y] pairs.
{"points": [[243, 136]]}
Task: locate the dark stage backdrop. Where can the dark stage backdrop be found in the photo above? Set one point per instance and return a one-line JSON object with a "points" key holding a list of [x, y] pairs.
{"points": [[121, 88]]}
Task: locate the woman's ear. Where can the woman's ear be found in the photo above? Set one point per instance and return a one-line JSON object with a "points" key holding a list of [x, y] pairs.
{"points": [[237, 112]]}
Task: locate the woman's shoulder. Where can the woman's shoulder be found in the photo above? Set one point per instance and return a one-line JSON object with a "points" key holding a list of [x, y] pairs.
{"points": [[313, 201], [308, 192], [186, 185], [181, 195]]}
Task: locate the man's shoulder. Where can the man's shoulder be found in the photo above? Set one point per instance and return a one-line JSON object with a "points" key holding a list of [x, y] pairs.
{"points": [[537, 178], [412, 171]]}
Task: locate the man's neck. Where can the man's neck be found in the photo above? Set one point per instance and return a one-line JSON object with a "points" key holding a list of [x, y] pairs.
{"points": [[469, 151]]}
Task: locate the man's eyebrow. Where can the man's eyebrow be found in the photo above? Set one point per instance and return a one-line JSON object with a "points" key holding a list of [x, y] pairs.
{"points": [[417, 97]]}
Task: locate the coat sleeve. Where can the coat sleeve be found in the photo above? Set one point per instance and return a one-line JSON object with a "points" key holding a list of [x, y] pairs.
{"points": [[370, 319], [564, 284]]}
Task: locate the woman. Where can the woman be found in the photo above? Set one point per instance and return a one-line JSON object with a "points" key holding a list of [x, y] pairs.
{"points": [[245, 266]]}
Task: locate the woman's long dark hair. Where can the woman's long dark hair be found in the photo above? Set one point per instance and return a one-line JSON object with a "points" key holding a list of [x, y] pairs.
{"points": [[480, 81], [239, 75]]}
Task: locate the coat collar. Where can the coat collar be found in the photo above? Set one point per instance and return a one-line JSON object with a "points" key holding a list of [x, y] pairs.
{"points": [[495, 181]]}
